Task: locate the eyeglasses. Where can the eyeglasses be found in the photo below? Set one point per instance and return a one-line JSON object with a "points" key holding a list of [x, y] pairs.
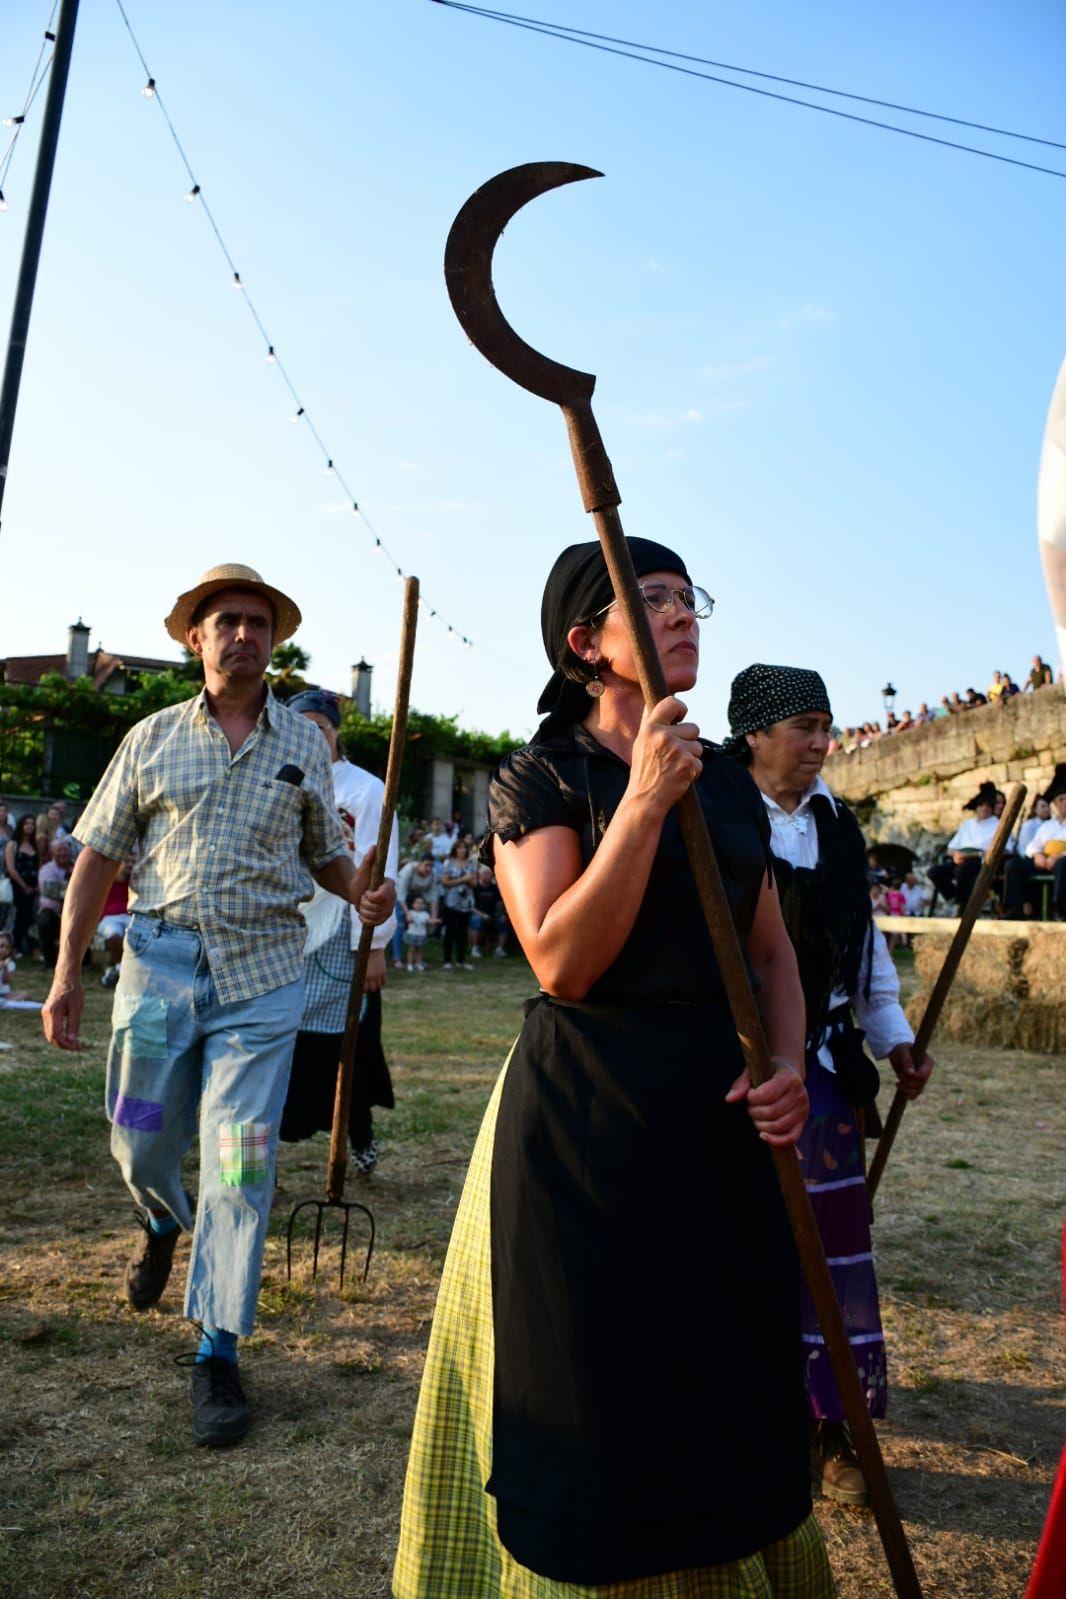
{"points": [[661, 597]]}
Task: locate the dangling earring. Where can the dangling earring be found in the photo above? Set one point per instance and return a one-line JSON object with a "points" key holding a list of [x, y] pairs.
{"points": [[594, 686]]}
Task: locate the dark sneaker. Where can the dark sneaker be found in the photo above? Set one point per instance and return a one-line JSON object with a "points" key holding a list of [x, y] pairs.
{"points": [[835, 1466], [148, 1272], [219, 1408]]}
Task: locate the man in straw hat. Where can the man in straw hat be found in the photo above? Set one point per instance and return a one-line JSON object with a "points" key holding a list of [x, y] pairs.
{"points": [[228, 798], [779, 723]]}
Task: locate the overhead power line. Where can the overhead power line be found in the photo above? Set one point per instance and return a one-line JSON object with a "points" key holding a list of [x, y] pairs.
{"points": [[300, 414], [605, 44]]}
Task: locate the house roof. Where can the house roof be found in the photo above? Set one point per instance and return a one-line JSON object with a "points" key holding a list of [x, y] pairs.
{"points": [[102, 665]]}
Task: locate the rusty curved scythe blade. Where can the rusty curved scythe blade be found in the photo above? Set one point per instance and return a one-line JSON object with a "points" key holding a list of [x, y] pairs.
{"points": [[468, 274]]}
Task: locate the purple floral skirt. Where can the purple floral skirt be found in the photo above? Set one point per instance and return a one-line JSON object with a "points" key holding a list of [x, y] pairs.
{"points": [[832, 1168]]}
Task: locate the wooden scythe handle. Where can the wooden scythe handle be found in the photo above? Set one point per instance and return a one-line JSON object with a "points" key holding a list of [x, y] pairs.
{"points": [[946, 976], [602, 499], [342, 1104]]}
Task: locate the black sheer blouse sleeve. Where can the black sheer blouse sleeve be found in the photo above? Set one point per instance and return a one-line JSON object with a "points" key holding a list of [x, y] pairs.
{"points": [[528, 791]]}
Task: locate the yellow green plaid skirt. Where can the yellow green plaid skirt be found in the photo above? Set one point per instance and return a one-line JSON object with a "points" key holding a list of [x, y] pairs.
{"points": [[448, 1547]]}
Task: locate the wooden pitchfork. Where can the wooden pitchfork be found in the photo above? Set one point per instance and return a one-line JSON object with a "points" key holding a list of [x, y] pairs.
{"points": [[468, 273], [974, 905], [342, 1104]]}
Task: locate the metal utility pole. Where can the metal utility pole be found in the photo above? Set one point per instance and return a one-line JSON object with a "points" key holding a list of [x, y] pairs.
{"points": [[31, 249]]}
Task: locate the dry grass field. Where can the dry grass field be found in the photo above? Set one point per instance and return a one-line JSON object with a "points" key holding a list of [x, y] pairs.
{"points": [[104, 1495]]}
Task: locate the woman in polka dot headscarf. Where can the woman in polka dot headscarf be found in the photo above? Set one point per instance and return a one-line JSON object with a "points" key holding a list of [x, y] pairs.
{"points": [[779, 723]]}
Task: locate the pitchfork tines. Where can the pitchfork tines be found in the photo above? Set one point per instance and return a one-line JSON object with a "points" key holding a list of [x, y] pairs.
{"points": [[320, 1206]]}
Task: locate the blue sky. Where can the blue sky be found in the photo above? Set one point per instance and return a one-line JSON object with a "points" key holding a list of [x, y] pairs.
{"points": [[824, 353]]}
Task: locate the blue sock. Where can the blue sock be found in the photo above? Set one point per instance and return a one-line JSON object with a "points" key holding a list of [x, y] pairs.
{"points": [[161, 1224], [217, 1341]]}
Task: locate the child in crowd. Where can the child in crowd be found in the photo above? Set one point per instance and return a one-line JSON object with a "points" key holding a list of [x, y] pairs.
{"points": [[416, 933], [8, 1000]]}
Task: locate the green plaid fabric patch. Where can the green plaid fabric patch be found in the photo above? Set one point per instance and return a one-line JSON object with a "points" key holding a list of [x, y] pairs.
{"points": [[243, 1154]]}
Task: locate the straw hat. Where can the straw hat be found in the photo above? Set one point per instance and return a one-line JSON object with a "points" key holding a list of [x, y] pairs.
{"points": [[231, 575]]}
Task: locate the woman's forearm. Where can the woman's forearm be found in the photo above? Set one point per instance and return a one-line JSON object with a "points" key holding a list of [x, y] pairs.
{"points": [[782, 1007]]}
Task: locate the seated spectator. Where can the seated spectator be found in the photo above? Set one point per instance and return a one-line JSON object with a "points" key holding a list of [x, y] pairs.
{"points": [[905, 721], [52, 882], [1040, 674], [44, 834], [914, 895], [925, 714], [1045, 852], [995, 688], [973, 700], [1039, 812], [875, 872], [955, 878], [955, 704], [999, 804], [489, 921], [9, 1000], [1010, 688], [892, 905], [115, 920]]}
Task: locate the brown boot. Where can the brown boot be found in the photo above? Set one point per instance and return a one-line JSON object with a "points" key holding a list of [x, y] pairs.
{"points": [[835, 1466]]}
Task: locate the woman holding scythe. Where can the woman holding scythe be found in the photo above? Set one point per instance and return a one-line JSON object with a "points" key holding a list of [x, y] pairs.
{"points": [[613, 1397]]}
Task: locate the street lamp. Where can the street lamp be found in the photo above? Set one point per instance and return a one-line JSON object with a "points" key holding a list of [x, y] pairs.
{"points": [[888, 695]]}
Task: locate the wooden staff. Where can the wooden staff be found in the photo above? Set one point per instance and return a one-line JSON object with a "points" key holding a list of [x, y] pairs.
{"points": [[981, 889], [338, 1143], [468, 273]]}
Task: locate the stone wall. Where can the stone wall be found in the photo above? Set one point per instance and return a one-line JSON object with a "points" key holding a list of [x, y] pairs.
{"points": [[917, 782]]}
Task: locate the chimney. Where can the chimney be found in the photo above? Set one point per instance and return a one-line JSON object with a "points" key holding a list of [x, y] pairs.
{"points": [[361, 687], [77, 650]]}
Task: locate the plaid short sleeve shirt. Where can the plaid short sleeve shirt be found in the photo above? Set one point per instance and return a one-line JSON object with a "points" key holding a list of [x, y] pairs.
{"points": [[226, 842]]}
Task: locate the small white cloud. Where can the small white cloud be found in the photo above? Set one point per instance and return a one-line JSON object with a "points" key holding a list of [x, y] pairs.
{"points": [[655, 266], [407, 466], [806, 313], [692, 415], [737, 369]]}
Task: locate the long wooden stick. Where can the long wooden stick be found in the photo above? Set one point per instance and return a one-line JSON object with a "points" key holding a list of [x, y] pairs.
{"points": [[342, 1104], [974, 905]]}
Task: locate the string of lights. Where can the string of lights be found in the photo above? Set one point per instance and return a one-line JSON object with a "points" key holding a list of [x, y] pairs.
{"points": [[591, 41], [17, 121], [300, 415]]}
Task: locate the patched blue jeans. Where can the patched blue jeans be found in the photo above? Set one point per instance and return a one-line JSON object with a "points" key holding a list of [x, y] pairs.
{"points": [[179, 1060]]}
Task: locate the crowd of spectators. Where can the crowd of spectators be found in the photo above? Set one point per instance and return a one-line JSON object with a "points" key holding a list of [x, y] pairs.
{"points": [[1000, 691], [442, 892], [36, 858]]}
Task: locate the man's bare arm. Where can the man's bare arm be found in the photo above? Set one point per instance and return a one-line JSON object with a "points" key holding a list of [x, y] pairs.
{"points": [[83, 906]]}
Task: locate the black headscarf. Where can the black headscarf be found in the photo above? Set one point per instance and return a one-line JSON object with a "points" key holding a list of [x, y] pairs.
{"points": [[762, 695], [578, 586]]}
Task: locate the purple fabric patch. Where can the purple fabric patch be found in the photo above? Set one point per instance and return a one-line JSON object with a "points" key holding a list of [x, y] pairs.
{"points": [[143, 1115]]}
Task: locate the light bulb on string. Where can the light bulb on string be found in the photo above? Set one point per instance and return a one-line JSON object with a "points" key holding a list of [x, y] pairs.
{"points": [[399, 575], [329, 468], [149, 89], [193, 193], [296, 415], [3, 202], [237, 284], [355, 508], [13, 122], [271, 357]]}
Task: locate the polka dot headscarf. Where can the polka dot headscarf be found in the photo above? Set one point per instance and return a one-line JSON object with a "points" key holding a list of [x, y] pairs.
{"points": [[762, 695]]}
